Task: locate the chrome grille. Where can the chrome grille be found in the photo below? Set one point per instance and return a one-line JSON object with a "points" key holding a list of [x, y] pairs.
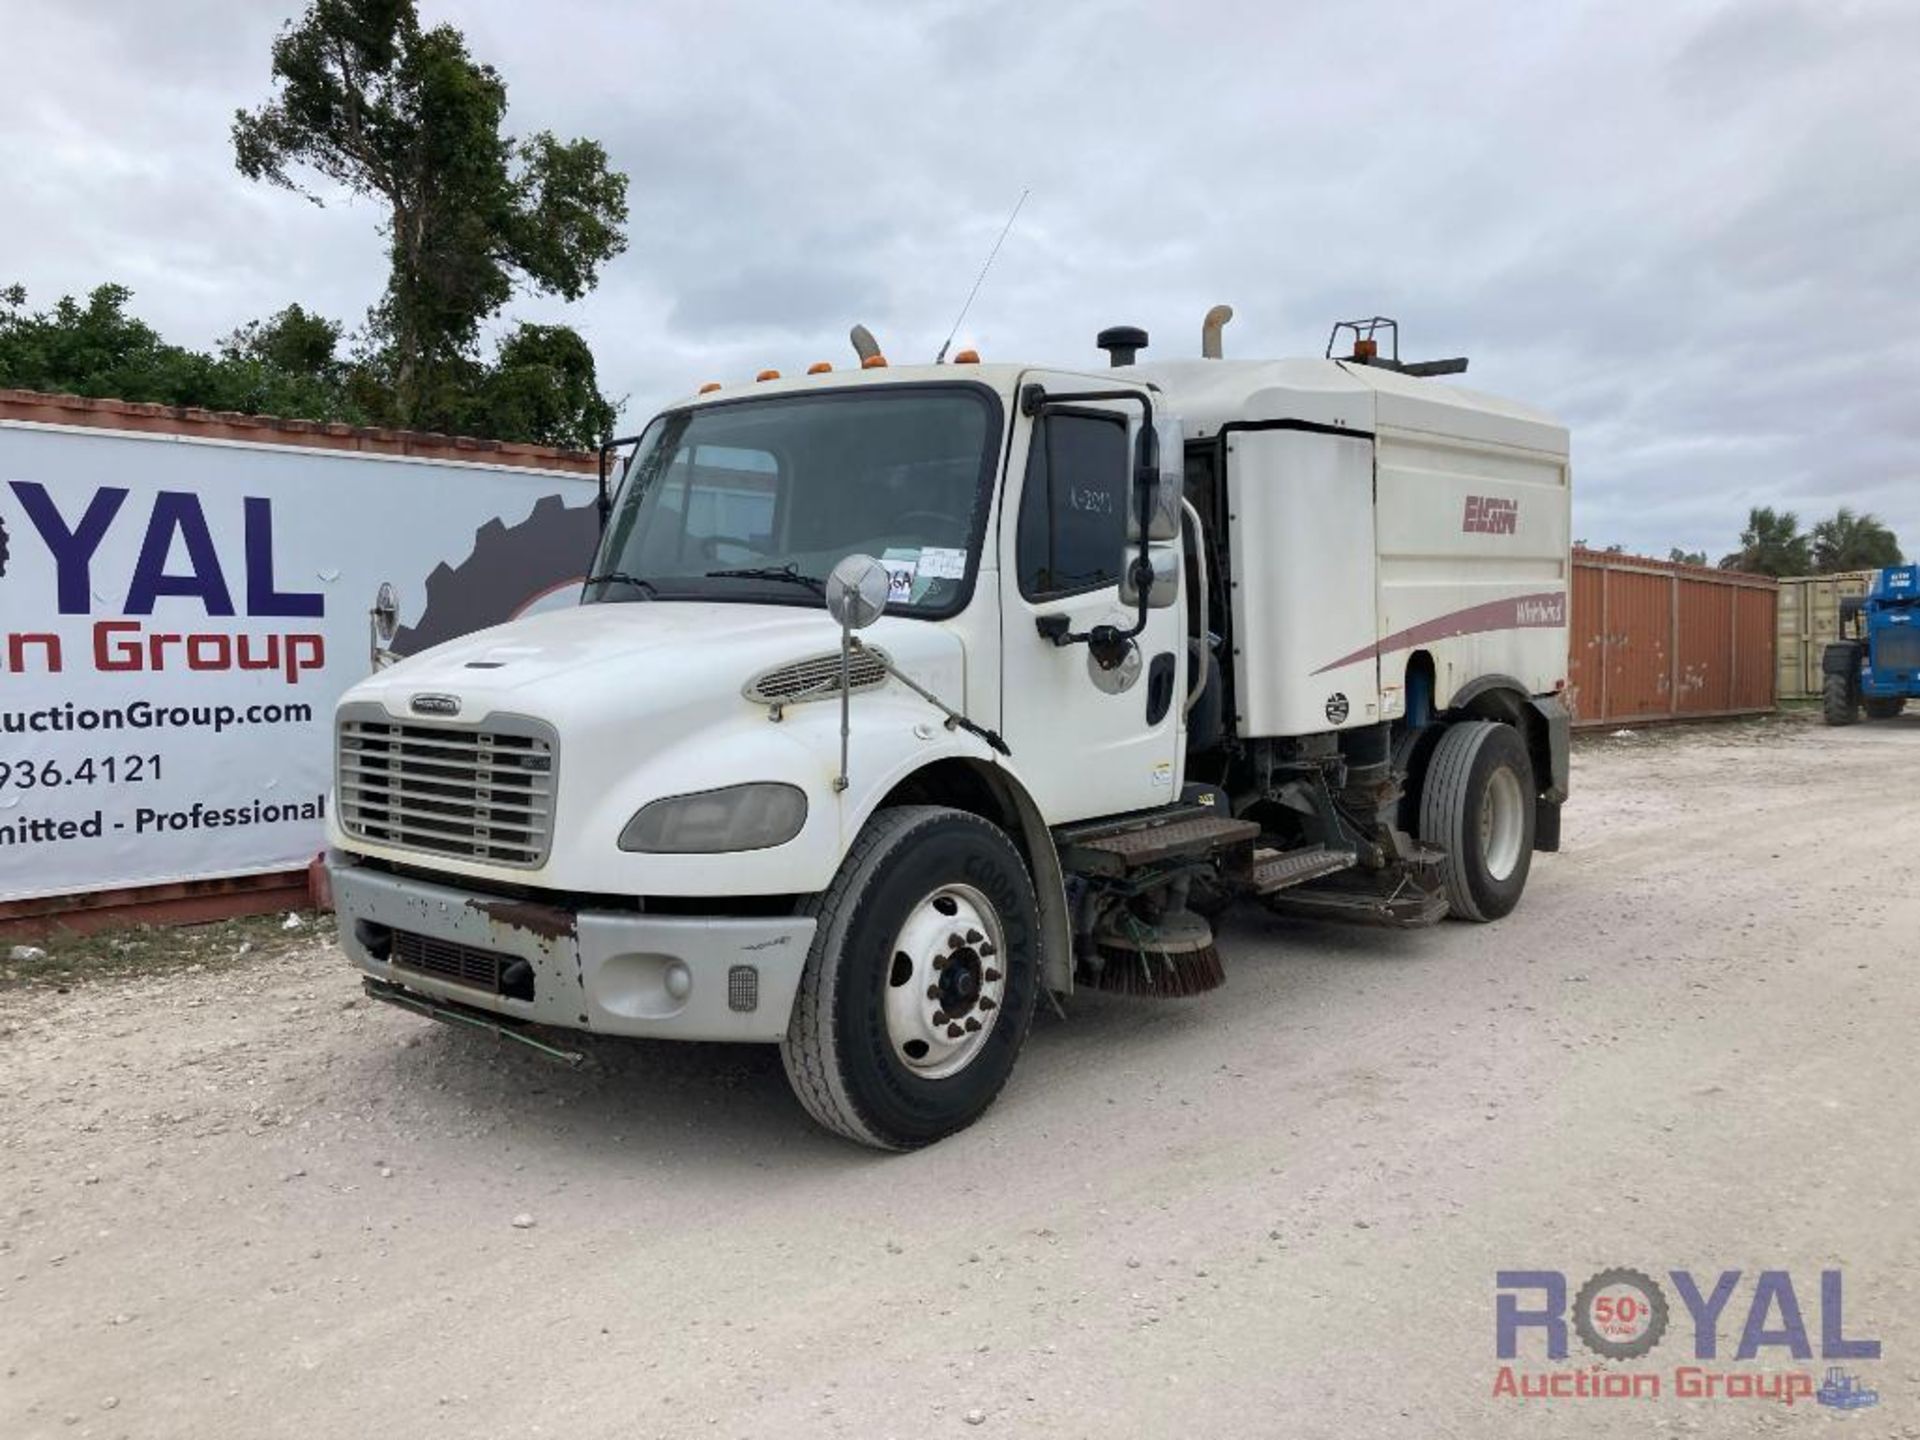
{"points": [[816, 677], [483, 794]]}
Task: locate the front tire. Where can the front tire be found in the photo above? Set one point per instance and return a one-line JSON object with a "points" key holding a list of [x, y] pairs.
{"points": [[1839, 705], [1476, 803], [919, 990]]}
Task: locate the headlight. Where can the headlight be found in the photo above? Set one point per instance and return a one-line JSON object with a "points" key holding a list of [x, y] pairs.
{"points": [[737, 817]]}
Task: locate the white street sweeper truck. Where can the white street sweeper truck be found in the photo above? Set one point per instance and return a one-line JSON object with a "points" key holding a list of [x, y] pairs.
{"points": [[899, 695]]}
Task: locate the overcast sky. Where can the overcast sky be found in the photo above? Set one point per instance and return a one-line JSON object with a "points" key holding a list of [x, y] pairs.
{"points": [[1690, 230]]}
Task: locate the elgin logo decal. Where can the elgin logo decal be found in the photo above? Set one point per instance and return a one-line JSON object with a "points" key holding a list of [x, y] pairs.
{"points": [[73, 542], [1490, 515]]}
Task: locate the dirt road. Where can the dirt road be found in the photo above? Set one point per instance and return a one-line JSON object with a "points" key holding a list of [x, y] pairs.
{"points": [[241, 1201]]}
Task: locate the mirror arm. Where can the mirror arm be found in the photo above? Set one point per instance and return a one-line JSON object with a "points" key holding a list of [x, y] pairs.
{"points": [[603, 502], [1109, 642]]}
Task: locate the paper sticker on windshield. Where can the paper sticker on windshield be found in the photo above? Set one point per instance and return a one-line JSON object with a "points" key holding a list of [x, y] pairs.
{"points": [[938, 563], [900, 580]]}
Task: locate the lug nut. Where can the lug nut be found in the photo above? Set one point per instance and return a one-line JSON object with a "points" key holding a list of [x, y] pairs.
{"points": [[933, 992], [954, 942], [939, 1017], [954, 1032], [986, 948], [974, 937], [986, 1002], [973, 1024], [940, 962], [991, 975]]}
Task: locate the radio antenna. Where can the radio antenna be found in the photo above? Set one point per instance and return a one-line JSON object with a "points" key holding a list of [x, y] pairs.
{"points": [[946, 344]]}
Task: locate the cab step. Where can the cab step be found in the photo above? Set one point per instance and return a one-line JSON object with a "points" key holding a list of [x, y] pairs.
{"points": [[1138, 843], [1281, 869]]}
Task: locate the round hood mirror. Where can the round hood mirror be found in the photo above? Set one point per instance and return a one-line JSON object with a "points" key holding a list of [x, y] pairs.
{"points": [[857, 591], [386, 613]]}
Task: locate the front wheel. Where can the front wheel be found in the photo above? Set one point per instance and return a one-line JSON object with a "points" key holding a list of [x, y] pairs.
{"points": [[1476, 803], [919, 990], [1838, 704]]}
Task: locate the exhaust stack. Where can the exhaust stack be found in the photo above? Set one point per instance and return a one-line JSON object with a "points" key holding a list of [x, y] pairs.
{"points": [[1210, 329]]}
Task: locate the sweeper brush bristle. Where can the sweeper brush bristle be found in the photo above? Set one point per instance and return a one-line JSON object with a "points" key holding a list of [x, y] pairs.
{"points": [[1153, 976]]}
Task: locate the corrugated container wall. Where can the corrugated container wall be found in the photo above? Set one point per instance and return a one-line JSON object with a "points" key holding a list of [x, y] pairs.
{"points": [[1650, 640], [1809, 618]]}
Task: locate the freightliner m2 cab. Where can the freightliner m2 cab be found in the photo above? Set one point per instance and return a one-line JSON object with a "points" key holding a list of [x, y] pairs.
{"points": [[900, 695]]}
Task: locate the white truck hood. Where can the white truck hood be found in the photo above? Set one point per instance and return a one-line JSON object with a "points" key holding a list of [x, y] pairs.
{"points": [[594, 662]]}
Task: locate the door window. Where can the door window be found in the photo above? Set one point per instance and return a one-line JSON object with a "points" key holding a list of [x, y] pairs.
{"points": [[1073, 506]]}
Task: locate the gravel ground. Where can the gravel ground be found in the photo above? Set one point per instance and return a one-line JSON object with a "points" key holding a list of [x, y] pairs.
{"points": [[236, 1199]]}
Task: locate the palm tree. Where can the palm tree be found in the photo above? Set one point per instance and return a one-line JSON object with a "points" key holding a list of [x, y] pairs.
{"points": [[1771, 545], [1853, 542]]}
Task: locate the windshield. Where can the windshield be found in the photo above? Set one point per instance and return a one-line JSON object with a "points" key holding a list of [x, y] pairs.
{"points": [[757, 501]]}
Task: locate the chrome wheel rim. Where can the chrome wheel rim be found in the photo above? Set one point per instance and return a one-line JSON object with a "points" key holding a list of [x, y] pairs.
{"points": [[945, 981], [1502, 823]]}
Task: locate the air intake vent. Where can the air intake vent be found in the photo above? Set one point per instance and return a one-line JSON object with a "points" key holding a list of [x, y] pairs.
{"points": [[815, 678]]}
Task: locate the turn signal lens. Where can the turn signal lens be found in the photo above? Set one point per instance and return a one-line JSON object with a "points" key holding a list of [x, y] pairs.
{"points": [[709, 387], [874, 362], [819, 367], [768, 375]]}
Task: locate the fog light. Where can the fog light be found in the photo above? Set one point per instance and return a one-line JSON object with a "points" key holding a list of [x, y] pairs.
{"points": [[679, 980]]}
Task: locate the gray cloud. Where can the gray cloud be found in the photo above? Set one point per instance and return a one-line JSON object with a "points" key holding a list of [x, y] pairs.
{"points": [[1686, 228]]}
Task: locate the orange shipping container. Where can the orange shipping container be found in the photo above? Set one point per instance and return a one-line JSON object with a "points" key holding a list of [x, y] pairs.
{"points": [[1651, 640]]}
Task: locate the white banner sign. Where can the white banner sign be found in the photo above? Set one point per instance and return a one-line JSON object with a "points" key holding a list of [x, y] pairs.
{"points": [[178, 617]]}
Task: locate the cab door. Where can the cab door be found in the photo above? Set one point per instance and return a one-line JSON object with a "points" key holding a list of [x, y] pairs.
{"points": [[1086, 740]]}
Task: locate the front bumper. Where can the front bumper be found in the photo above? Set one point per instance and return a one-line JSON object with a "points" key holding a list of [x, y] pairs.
{"points": [[612, 972]]}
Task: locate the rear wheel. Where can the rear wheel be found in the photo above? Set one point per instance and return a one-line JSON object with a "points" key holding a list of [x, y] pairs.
{"points": [[1476, 803], [919, 990], [1838, 705], [1885, 709]]}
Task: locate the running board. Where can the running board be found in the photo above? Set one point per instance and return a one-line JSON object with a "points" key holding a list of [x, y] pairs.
{"points": [[1275, 870], [1114, 851]]}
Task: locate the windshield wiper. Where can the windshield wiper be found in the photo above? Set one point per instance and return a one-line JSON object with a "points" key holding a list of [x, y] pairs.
{"points": [[788, 572], [620, 577]]}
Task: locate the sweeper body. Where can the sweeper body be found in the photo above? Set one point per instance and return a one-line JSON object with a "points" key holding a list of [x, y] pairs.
{"points": [[902, 695]]}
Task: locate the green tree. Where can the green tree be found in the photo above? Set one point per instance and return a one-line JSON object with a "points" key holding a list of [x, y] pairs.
{"points": [[1847, 541], [1771, 545], [367, 99], [542, 388], [1678, 556], [97, 348]]}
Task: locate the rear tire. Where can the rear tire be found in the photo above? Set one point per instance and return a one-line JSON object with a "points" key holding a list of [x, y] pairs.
{"points": [[1476, 803], [1887, 708], [862, 1051], [1838, 703]]}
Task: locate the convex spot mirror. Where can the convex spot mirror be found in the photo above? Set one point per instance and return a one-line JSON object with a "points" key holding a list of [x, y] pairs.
{"points": [[1167, 454], [385, 614], [857, 591], [1165, 589]]}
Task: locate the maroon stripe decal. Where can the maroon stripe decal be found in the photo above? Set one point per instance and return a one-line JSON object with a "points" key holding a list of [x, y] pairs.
{"points": [[1544, 610]]}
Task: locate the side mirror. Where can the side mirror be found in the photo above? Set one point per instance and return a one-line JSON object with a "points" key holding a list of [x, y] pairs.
{"points": [[1164, 589], [857, 591], [1162, 464]]}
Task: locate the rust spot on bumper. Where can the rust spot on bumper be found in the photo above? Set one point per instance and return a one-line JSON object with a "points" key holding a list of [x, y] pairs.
{"points": [[549, 922]]}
